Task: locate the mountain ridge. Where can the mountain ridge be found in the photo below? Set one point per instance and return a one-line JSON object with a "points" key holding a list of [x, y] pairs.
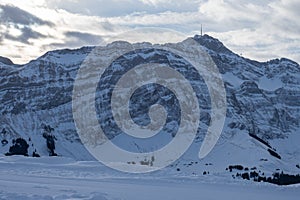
{"points": [[204, 40]]}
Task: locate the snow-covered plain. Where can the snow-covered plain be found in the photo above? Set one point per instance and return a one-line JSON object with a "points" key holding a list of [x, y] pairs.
{"points": [[63, 178]]}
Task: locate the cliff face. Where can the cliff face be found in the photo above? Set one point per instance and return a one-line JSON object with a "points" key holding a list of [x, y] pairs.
{"points": [[263, 98]]}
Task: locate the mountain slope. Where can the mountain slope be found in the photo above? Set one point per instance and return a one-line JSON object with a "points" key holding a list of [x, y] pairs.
{"points": [[263, 100]]}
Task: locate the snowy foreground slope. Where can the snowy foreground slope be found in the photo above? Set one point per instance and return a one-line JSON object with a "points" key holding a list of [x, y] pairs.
{"points": [[61, 178], [261, 132]]}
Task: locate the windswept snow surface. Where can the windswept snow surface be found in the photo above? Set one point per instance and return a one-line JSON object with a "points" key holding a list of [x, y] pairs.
{"points": [[63, 178]]}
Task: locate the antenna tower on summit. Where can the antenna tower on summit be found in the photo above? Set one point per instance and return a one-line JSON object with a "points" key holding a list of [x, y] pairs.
{"points": [[201, 30]]}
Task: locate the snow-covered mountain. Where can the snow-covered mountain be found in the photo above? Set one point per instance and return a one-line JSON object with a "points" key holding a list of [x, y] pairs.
{"points": [[263, 109]]}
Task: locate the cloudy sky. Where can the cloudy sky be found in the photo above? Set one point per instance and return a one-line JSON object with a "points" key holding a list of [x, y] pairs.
{"points": [[257, 29]]}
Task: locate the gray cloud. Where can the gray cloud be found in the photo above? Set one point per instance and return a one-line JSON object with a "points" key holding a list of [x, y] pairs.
{"points": [[85, 38], [75, 39], [12, 14], [12, 17], [27, 33]]}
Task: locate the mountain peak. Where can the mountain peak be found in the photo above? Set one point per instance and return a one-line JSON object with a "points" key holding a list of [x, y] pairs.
{"points": [[283, 60], [212, 44], [6, 61]]}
